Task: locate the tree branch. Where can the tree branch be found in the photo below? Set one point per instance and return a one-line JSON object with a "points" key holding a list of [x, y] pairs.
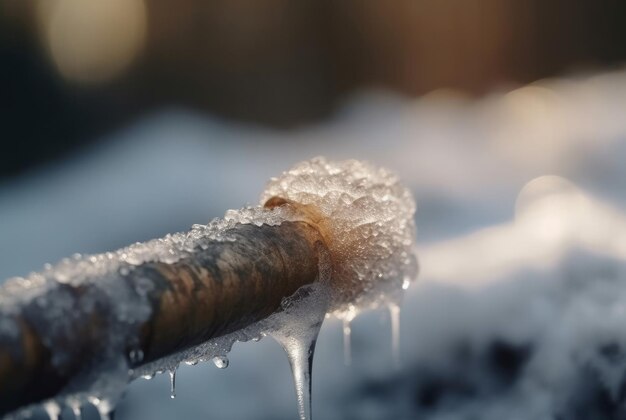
{"points": [[215, 291]]}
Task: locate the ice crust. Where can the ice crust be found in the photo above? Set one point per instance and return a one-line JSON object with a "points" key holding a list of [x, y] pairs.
{"points": [[52, 310], [369, 231], [368, 217]]}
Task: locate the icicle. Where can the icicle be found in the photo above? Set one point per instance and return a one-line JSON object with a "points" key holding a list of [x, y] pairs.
{"points": [[52, 409], [173, 383], [346, 319], [104, 415], [75, 407], [103, 407], [299, 326], [300, 352], [221, 362], [394, 312], [347, 345]]}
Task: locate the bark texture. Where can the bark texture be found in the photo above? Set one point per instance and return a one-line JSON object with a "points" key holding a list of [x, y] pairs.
{"points": [[218, 290]]}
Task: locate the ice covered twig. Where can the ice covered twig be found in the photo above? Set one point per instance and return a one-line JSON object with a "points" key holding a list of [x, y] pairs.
{"points": [[79, 331], [51, 331]]}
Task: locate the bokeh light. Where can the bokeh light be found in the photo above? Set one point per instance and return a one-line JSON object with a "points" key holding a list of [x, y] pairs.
{"points": [[93, 41]]}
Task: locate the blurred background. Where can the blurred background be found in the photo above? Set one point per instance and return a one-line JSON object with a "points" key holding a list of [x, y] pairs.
{"points": [[123, 120]]}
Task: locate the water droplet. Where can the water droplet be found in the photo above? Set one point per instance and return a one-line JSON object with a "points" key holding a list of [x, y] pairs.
{"points": [[52, 409], [406, 283], [173, 383], [148, 376], [191, 362], [135, 356], [124, 271], [394, 313], [347, 348], [221, 362]]}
